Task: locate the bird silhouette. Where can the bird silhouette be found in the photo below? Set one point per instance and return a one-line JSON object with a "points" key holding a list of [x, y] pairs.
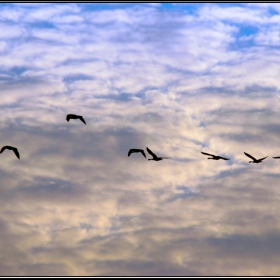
{"points": [[254, 160], [10, 148], [136, 151], [156, 158], [72, 116], [214, 157]]}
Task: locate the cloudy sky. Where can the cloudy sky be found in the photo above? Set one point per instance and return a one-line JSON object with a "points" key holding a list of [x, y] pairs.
{"points": [[177, 78]]}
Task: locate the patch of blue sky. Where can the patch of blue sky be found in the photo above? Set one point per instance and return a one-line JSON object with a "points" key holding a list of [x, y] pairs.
{"points": [[247, 30], [191, 8], [194, 8], [5, 5], [15, 71], [228, 5], [42, 24], [244, 37], [107, 6], [272, 11]]}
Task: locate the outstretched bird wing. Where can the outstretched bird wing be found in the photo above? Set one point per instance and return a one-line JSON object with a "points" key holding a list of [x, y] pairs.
{"points": [[151, 153], [3, 149], [136, 151], [207, 154], [130, 152], [82, 119], [276, 157], [263, 158], [16, 152], [143, 153], [249, 156]]}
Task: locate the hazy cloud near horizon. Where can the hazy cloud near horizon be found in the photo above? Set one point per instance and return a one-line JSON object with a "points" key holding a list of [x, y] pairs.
{"points": [[179, 79]]}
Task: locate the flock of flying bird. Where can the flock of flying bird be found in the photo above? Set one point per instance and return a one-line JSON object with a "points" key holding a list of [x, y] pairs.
{"points": [[155, 157]]}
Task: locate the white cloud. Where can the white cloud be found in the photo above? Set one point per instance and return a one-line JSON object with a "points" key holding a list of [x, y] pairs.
{"points": [[10, 31], [268, 37], [54, 35], [45, 12], [143, 76], [234, 14]]}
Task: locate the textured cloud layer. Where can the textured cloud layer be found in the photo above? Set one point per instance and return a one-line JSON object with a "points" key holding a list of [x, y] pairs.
{"points": [[179, 79]]}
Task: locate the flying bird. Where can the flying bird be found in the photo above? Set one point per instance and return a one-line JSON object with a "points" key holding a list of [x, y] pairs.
{"points": [[254, 160], [72, 116], [154, 156], [10, 148], [214, 157], [136, 151]]}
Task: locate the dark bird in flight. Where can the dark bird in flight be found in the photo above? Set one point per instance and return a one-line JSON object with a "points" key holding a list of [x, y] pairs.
{"points": [[10, 148], [136, 151], [154, 156], [72, 116], [254, 160], [215, 157]]}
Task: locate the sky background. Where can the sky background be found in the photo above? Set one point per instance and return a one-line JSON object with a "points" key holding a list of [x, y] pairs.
{"points": [[177, 78]]}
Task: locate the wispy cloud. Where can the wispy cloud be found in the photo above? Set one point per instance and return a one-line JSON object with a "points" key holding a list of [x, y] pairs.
{"points": [[179, 79]]}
